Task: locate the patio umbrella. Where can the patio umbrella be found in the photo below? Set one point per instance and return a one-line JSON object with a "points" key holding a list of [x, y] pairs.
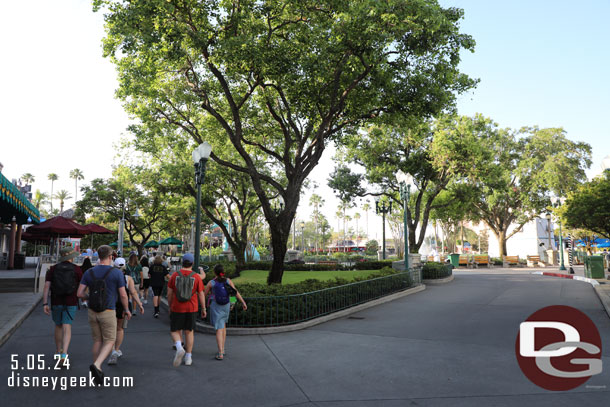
{"points": [[59, 226], [152, 243], [115, 244], [94, 228], [603, 245], [170, 240]]}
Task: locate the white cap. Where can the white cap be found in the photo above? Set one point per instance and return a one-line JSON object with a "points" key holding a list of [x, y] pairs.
{"points": [[119, 262]]}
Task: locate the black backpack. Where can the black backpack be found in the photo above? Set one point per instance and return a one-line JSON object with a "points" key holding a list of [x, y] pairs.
{"points": [[64, 279], [98, 292]]}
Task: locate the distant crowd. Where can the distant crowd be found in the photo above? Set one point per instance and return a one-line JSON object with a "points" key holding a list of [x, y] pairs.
{"points": [[114, 289]]}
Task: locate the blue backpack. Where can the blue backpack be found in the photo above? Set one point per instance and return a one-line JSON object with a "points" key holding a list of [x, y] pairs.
{"points": [[221, 295]]}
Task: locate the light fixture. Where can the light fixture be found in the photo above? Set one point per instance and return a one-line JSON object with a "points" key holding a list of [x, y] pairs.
{"points": [[405, 178]]}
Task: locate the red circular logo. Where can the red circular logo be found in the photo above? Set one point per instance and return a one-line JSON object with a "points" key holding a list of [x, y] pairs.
{"points": [[559, 348]]}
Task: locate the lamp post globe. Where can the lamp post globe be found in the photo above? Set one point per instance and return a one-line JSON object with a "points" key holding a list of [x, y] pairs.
{"points": [[201, 154]]}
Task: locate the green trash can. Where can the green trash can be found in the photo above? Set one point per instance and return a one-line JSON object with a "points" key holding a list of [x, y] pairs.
{"points": [[455, 260], [596, 266]]}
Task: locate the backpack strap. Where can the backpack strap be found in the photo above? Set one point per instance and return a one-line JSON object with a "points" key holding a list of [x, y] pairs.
{"points": [[105, 275]]}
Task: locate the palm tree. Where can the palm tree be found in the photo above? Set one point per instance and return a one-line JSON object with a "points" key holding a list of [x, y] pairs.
{"points": [[316, 201], [52, 177], [27, 178], [356, 217], [366, 208], [39, 198], [76, 175], [62, 195]]}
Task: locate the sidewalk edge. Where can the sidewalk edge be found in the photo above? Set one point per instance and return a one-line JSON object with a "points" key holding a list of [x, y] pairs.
{"points": [[207, 329], [17, 320]]}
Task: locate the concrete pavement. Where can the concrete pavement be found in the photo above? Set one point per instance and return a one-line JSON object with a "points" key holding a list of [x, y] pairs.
{"points": [[448, 345]]}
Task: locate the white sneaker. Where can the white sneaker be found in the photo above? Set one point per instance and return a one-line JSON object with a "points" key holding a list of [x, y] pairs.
{"points": [[178, 357], [145, 302], [119, 353], [188, 360], [113, 358]]}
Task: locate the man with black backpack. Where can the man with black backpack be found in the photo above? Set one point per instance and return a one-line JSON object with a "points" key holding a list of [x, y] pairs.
{"points": [[62, 280], [106, 286], [183, 290]]}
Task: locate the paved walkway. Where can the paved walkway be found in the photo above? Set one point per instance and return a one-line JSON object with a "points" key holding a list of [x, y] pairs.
{"points": [[451, 345]]}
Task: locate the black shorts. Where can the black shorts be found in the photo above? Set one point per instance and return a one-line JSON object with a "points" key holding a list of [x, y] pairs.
{"points": [[119, 310], [157, 290], [182, 320], [146, 283]]}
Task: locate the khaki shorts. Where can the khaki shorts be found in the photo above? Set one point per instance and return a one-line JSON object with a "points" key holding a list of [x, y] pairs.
{"points": [[103, 325]]}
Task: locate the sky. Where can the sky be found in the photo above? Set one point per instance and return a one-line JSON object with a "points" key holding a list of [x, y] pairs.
{"points": [[540, 62]]}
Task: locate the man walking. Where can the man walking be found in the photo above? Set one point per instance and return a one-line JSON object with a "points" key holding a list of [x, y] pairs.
{"points": [[106, 286], [183, 290], [62, 280]]}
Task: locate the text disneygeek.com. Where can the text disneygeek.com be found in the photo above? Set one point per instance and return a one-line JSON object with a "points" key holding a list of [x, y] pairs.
{"points": [[64, 383]]}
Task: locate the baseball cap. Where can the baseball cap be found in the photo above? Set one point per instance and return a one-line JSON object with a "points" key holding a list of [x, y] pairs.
{"points": [[119, 262], [188, 257]]}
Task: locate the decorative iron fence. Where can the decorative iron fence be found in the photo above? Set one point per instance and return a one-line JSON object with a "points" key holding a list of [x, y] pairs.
{"points": [[292, 309]]}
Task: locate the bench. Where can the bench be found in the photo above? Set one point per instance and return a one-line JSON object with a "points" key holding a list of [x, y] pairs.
{"points": [[510, 260], [329, 263], [464, 261], [532, 261], [481, 259]]}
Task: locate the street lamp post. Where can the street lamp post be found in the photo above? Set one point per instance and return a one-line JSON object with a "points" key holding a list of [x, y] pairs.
{"points": [[302, 224], [380, 207], [548, 229], [201, 154], [119, 243], [405, 181], [557, 202]]}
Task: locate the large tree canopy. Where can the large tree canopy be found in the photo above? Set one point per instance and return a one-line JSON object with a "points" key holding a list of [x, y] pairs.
{"points": [[514, 174], [282, 77], [589, 207]]}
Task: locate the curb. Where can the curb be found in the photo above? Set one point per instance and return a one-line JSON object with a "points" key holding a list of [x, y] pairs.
{"points": [[603, 297], [207, 329], [438, 281], [16, 322]]}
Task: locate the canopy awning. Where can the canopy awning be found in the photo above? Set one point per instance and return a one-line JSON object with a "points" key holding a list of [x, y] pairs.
{"points": [[14, 203]]}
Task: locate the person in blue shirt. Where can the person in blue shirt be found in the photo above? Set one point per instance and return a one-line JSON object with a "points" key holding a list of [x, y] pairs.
{"points": [[103, 323]]}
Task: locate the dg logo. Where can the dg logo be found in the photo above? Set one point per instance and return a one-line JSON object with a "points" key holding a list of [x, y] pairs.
{"points": [[559, 348]]}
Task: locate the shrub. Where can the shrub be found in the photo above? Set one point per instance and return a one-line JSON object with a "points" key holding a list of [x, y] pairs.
{"points": [[433, 270]]}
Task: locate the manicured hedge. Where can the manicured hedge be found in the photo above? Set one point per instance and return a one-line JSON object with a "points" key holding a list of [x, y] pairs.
{"points": [[433, 270], [281, 304]]}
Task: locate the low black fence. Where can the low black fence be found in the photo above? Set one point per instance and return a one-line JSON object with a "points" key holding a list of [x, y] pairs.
{"points": [[292, 309]]}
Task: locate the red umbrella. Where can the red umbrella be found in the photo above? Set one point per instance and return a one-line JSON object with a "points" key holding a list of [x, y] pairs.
{"points": [[100, 230], [32, 238], [59, 226]]}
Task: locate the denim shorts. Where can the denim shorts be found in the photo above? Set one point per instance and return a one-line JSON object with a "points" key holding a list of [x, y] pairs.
{"points": [[63, 314]]}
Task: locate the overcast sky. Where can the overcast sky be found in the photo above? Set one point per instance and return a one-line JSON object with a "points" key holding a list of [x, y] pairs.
{"points": [[540, 63]]}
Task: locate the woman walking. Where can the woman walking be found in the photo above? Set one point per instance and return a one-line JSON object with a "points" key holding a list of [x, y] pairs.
{"points": [[134, 270], [158, 275], [121, 322], [220, 306], [145, 283]]}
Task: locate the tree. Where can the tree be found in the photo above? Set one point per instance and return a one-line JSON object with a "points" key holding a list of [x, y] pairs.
{"points": [[119, 196], [52, 177], [316, 201], [76, 175], [282, 78], [62, 195], [516, 172], [27, 178], [414, 147], [356, 218], [366, 208], [40, 198], [589, 207]]}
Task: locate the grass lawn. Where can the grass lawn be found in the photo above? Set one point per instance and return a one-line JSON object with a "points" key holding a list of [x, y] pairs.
{"points": [[291, 277]]}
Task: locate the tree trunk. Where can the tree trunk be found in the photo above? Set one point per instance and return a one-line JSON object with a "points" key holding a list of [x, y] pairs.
{"points": [[501, 242], [279, 244]]}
